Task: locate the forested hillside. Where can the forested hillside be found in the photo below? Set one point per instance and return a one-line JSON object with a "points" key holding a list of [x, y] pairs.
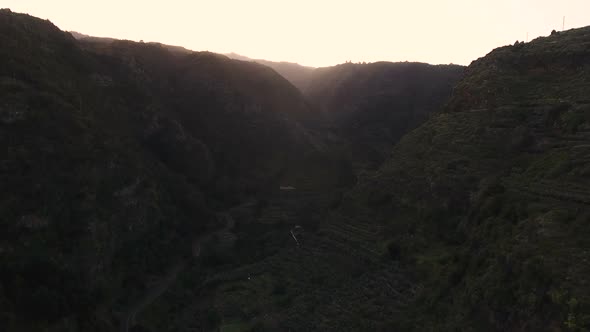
{"points": [[116, 157], [477, 221], [487, 202], [151, 188]]}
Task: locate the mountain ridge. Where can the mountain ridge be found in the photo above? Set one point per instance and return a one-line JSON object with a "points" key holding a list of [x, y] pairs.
{"points": [[126, 162], [117, 156]]}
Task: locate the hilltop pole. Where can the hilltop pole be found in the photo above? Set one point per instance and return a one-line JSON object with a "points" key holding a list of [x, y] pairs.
{"points": [[563, 24]]}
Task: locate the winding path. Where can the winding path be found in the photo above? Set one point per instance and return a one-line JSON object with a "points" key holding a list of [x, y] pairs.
{"points": [[155, 292], [152, 295]]}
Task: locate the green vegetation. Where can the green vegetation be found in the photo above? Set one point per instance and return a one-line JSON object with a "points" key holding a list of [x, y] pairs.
{"points": [[477, 221], [488, 201], [116, 157], [157, 187]]}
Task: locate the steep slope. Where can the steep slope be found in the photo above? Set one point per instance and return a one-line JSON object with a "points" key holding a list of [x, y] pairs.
{"points": [[488, 202], [116, 157], [373, 105], [478, 221], [295, 73], [122, 161], [248, 115], [81, 36], [335, 277]]}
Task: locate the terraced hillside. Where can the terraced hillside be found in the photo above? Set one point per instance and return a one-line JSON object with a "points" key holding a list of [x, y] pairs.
{"points": [[477, 222], [153, 189], [335, 278], [488, 202]]}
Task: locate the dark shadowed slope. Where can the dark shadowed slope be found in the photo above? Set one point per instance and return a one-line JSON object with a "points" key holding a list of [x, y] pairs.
{"points": [[373, 105], [116, 154], [479, 219], [295, 73]]}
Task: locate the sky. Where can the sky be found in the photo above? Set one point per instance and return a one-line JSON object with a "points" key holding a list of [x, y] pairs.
{"points": [[319, 32]]}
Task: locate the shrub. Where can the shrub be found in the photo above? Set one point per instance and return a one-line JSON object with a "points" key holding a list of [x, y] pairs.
{"points": [[394, 250]]}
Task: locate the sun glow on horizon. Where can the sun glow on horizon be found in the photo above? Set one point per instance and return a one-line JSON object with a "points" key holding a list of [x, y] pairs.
{"points": [[318, 33]]}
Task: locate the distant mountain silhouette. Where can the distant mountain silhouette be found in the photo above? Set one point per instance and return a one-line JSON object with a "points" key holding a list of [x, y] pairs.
{"points": [[295, 73], [87, 38], [373, 105]]}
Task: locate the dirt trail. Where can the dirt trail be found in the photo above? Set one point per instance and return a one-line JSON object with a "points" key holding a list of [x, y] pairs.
{"points": [[152, 294]]}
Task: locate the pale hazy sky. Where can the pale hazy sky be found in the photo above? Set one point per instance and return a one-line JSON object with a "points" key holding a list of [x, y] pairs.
{"points": [[319, 32]]}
